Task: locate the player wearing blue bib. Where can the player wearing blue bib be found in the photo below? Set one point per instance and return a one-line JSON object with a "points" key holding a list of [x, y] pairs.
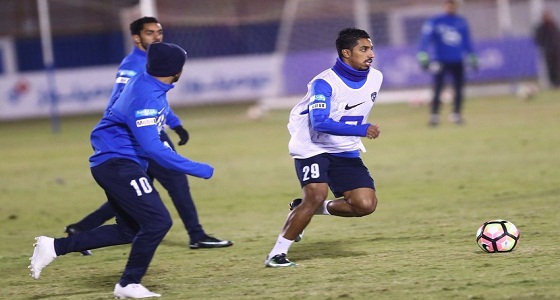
{"points": [[449, 38], [326, 128], [145, 31], [124, 141]]}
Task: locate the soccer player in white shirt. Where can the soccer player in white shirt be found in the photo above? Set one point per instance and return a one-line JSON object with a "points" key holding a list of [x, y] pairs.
{"points": [[326, 128]]}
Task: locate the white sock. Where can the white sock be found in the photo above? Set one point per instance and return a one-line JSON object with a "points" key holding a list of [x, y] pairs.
{"points": [[324, 210], [282, 245]]}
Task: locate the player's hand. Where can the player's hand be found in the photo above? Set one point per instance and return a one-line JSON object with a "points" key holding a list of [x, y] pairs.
{"points": [[373, 131], [182, 133], [423, 60]]}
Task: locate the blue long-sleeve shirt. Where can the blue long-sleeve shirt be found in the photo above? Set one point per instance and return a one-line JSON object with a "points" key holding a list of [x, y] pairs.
{"points": [[130, 129], [449, 36]]}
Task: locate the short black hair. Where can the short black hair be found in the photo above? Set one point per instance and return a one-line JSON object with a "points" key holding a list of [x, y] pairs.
{"points": [[137, 26], [348, 38]]}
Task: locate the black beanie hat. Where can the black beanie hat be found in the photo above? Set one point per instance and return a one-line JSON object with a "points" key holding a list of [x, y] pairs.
{"points": [[165, 59]]}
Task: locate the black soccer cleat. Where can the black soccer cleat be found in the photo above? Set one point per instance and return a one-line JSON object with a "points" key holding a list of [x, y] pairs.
{"points": [[72, 229], [295, 203], [278, 261], [210, 242]]}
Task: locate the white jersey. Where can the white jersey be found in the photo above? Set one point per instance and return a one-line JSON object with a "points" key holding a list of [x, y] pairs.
{"points": [[347, 105]]}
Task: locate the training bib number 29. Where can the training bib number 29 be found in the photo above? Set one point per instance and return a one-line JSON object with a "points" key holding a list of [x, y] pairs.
{"points": [[142, 186], [310, 172]]}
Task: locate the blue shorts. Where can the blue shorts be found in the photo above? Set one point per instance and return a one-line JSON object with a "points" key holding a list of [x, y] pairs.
{"points": [[342, 174]]}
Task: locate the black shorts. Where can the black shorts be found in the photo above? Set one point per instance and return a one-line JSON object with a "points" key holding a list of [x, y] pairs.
{"points": [[340, 173]]}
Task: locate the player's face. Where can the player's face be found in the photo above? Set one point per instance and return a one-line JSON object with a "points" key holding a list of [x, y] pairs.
{"points": [[151, 33], [361, 56], [450, 7]]}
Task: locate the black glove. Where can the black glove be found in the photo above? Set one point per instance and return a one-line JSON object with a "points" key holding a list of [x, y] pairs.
{"points": [[182, 133]]}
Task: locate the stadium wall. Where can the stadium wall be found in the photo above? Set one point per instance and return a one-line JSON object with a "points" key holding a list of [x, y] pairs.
{"points": [[233, 57], [86, 90], [241, 78]]}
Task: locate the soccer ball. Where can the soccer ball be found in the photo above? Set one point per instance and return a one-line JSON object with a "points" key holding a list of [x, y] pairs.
{"points": [[256, 112], [526, 91], [497, 236]]}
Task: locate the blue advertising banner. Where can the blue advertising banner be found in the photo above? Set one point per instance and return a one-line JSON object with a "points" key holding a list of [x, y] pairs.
{"points": [[499, 61]]}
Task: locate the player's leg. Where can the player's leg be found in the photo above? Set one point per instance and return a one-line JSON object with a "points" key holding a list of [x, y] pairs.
{"points": [[177, 186], [355, 203], [312, 173], [293, 204], [139, 206], [350, 178], [314, 194], [95, 219], [46, 249], [458, 77], [552, 66], [122, 232], [438, 82], [116, 177]]}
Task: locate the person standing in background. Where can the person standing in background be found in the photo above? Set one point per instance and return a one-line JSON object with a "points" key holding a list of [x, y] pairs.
{"points": [[547, 37], [449, 36]]}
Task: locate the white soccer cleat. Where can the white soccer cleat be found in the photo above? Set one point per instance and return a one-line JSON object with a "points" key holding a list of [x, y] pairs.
{"points": [[133, 290], [43, 255]]}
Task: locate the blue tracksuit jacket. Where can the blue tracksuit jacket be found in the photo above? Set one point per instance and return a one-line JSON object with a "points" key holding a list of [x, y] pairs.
{"points": [[450, 37], [130, 129]]}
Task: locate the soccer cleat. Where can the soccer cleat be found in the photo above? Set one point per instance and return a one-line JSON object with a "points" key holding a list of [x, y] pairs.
{"points": [[43, 255], [456, 118], [434, 120], [295, 203], [133, 290], [73, 229], [210, 242], [278, 261]]}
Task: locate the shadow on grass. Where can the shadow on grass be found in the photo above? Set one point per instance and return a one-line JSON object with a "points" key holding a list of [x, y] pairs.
{"points": [[306, 251], [95, 286]]}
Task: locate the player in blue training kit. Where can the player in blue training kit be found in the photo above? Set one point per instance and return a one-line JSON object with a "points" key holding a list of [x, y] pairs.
{"points": [[326, 128], [124, 141], [145, 31], [449, 36]]}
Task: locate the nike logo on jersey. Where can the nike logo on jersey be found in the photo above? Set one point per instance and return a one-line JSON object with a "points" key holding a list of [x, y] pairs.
{"points": [[347, 107]]}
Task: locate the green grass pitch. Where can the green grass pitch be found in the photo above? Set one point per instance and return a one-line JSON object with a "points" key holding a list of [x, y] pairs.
{"points": [[436, 186]]}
